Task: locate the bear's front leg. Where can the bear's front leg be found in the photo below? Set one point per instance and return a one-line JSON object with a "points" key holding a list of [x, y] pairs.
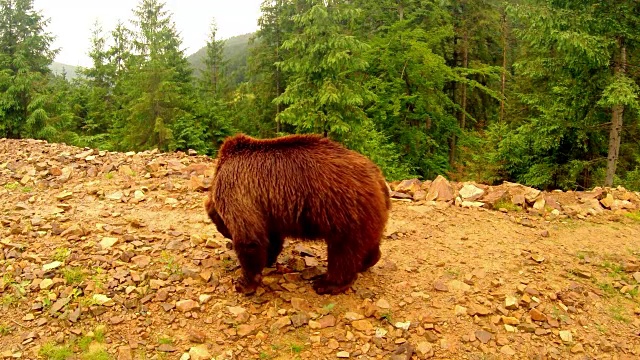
{"points": [[253, 258]]}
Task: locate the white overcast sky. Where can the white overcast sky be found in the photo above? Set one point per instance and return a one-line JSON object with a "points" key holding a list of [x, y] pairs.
{"points": [[71, 21]]}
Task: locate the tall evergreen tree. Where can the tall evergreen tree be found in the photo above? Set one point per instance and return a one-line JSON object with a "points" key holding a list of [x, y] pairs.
{"points": [[159, 110], [571, 80], [213, 91], [25, 55], [324, 93], [267, 79]]}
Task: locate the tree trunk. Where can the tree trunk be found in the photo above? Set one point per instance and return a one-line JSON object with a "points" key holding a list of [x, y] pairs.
{"points": [[616, 122], [278, 74], [504, 65], [463, 100], [465, 64]]}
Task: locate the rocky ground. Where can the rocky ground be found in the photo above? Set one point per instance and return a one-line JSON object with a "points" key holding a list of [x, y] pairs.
{"points": [[111, 256]]}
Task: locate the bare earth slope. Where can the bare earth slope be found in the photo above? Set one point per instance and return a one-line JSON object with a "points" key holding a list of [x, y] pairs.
{"points": [[111, 256]]}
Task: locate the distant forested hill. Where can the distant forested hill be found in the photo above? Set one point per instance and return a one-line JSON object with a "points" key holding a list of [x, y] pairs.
{"points": [[57, 68], [235, 53]]}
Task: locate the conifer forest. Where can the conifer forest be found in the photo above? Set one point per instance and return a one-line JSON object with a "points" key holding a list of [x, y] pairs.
{"points": [[540, 92]]}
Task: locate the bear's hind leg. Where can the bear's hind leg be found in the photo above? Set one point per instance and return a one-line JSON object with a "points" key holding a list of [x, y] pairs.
{"points": [[371, 258], [344, 260]]}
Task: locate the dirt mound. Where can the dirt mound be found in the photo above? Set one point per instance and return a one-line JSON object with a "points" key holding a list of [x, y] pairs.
{"points": [[110, 255]]}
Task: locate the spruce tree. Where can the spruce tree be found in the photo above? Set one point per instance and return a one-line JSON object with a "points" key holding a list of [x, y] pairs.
{"points": [[25, 56], [324, 93]]}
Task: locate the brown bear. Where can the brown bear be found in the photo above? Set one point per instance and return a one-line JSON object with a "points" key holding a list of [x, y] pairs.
{"points": [[304, 187]]}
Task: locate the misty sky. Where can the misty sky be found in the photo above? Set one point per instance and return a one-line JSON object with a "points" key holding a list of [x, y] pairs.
{"points": [[71, 21]]}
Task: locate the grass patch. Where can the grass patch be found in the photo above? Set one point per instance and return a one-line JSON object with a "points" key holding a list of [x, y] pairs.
{"points": [[9, 300], [11, 186], [73, 275], [635, 215], [388, 316], [452, 272], [61, 254], [27, 189], [508, 205], [614, 268], [100, 354], [296, 348], [617, 313], [5, 330], [51, 351], [109, 175], [165, 340], [607, 288], [169, 263]]}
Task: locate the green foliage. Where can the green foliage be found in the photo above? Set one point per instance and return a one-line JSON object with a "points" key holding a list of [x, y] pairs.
{"points": [[416, 85], [324, 93], [25, 55], [53, 352]]}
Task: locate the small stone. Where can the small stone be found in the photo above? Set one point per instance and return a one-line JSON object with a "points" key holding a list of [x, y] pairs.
{"points": [[510, 320], [636, 277], [537, 315], [186, 305], [138, 195], [507, 350], [301, 304], [65, 195], [470, 192], [141, 260], [343, 355], [577, 349], [362, 325], [124, 353], [280, 323], [52, 265], [333, 344], [245, 330], [327, 321], [383, 304], [460, 310], [424, 350], [199, 352], [511, 303], [351, 316], [439, 285], [475, 309], [166, 348], [566, 336], [108, 242], [457, 285], [483, 336], [299, 319], [101, 299], [236, 310], [46, 284]]}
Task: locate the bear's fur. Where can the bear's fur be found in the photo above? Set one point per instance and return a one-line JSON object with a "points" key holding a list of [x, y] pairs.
{"points": [[298, 186]]}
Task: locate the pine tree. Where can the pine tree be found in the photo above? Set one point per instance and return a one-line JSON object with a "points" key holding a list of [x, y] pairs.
{"points": [[25, 55], [571, 80], [214, 72], [99, 81], [324, 93], [213, 91], [158, 86], [267, 80]]}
